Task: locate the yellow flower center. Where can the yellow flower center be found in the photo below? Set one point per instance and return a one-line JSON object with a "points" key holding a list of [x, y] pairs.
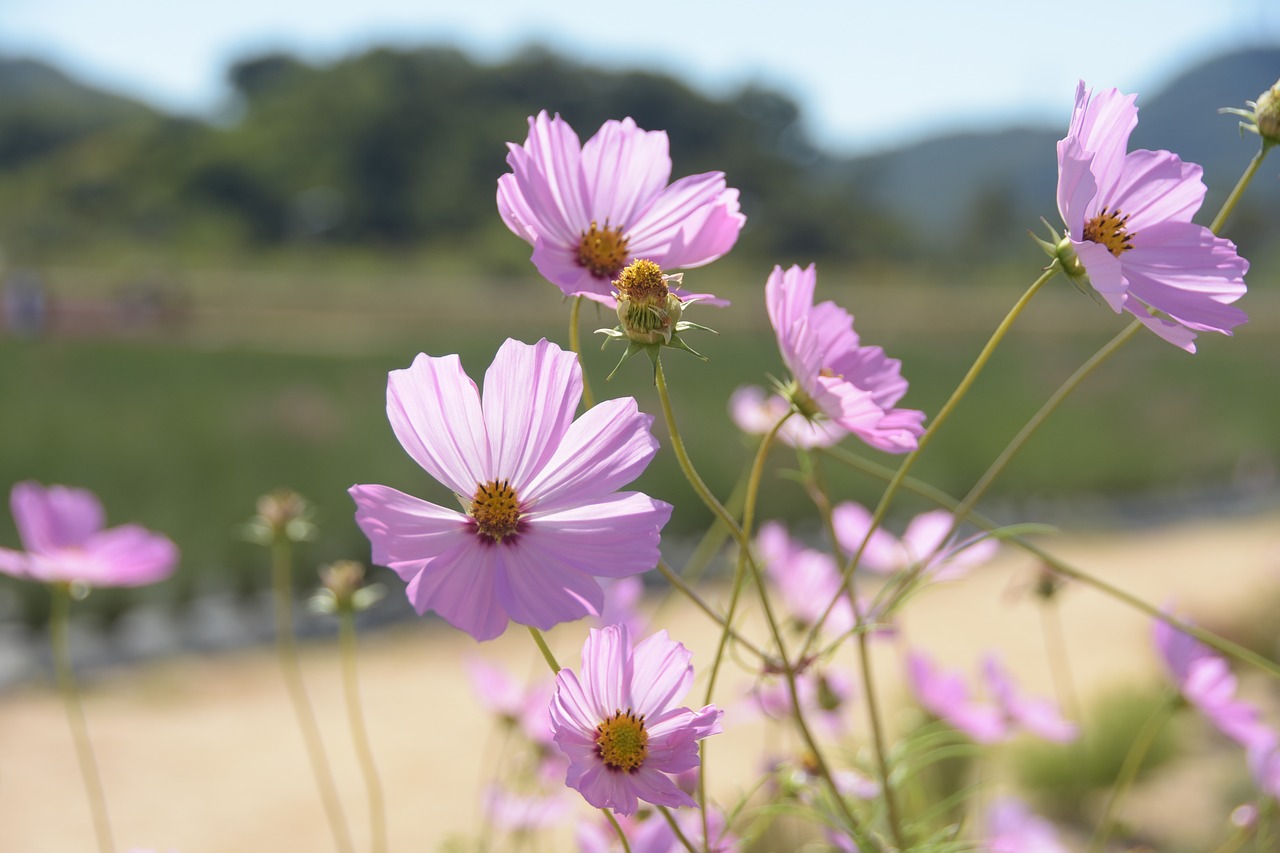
{"points": [[496, 510], [622, 742], [1109, 228], [602, 251]]}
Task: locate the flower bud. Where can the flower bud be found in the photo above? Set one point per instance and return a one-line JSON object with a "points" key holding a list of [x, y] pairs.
{"points": [[282, 515], [1266, 113], [647, 309]]}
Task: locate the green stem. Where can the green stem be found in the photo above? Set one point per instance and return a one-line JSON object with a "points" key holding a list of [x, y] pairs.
{"points": [[1055, 649], [739, 571], [59, 620], [544, 648], [1057, 564], [359, 732], [891, 490], [575, 344], [678, 583], [1129, 769], [744, 544], [1230, 204], [288, 654], [622, 836], [675, 827]]}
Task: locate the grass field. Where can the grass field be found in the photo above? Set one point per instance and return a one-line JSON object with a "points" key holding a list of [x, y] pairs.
{"points": [[256, 380]]}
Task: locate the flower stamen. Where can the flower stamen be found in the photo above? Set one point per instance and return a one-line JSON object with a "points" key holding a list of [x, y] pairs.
{"points": [[622, 742], [603, 251], [1109, 228], [496, 511]]}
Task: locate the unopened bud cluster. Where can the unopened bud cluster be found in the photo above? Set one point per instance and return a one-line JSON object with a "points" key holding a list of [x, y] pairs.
{"points": [[647, 309]]}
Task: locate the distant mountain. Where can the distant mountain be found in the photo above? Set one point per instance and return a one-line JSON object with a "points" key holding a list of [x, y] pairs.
{"points": [[42, 109], [402, 148], [973, 185]]}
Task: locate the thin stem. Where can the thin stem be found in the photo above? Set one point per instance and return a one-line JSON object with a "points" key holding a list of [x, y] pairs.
{"points": [[744, 543], [288, 654], [622, 836], [822, 501], [1129, 769], [544, 648], [359, 732], [678, 583], [575, 344], [675, 827], [1055, 648], [891, 490], [748, 520], [59, 619], [1230, 204]]}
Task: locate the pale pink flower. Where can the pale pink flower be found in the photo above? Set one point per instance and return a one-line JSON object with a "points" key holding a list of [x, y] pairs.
{"points": [[514, 701], [834, 377], [1014, 828], [1205, 680], [62, 530], [590, 210], [622, 599], [824, 698], [1128, 217], [620, 723], [1034, 714], [543, 518], [515, 812], [654, 834], [755, 412], [807, 580], [924, 540]]}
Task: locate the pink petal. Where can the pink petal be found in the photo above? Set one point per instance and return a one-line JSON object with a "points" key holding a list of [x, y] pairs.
{"points": [[531, 395], [540, 592], [1155, 187], [606, 669], [789, 298], [661, 674], [612, 537], [459, 585], [1102, 123], [1106, 274], [883, 553], [129, 555], [654, 787], [544, 195], [405, 531], [606, 448], [623, 169], [434, 409], [55, 517], [693, 222], [573, 713], [14, 563]]}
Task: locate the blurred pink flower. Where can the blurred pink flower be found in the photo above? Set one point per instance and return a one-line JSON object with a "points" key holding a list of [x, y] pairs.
{"points": [[543, 520], [824, 698], [755, 412], [522, 812], [946, 696], [61, 529], [1013, 828], [834, 377], [924, 539], [807, 580], [622, 598], [1204, 679], [589, 210], [1128, 217], [620, 724], [517, 703], [654, 834]]}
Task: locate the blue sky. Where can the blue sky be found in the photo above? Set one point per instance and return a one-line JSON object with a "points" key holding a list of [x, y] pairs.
{"points": [[867, 75]]}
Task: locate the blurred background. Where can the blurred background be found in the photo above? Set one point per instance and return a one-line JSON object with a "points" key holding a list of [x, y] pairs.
{"points": [[220, 227]]}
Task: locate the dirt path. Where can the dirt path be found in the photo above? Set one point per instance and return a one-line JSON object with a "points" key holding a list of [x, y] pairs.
{"points": [[200, 755]]}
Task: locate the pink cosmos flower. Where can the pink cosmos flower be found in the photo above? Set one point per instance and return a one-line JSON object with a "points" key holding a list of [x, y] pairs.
{"points": [[946, 696], [834, 377], [1128, 218], [824, 698], [517, 703], [807, 580], [522, 812], [1264, 763], [1204, 679], [622, 599], [923, 540], [754, 411], [1014, 828], [543, 518], [620, 724], [654, 834], [589, 210], [62, 531]]}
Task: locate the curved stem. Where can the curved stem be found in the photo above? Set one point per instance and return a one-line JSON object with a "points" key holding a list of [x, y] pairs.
{"points": [[891, 490], [1055, 649], [1129, 770], [622, 836], [675, 827], [359, 732], [544, 648], [59, 619], [575, 344], [678, 583], [288, 654], [1230, 204]]}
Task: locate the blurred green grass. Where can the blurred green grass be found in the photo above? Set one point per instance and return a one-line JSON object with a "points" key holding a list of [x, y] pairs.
{"points": [[277, 378]]}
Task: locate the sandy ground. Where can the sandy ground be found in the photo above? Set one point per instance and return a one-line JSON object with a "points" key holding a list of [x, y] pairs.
{"points": [[200, 754]]}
